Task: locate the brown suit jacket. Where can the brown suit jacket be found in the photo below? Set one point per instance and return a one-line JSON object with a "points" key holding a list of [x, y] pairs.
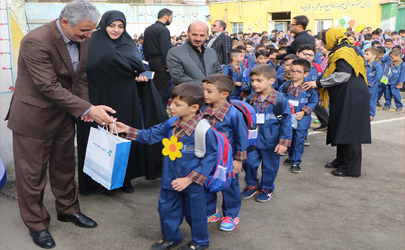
{"points": [[46, 87]]}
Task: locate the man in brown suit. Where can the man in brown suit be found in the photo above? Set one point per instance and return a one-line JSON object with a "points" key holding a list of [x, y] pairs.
{"points": [[50, 94]]}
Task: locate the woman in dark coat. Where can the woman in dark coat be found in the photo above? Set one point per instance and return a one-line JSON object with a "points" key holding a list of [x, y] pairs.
{"points": [[349, 119], [113, 70]]}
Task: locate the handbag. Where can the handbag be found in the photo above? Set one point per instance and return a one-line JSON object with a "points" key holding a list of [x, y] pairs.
{"points": [[106, 158]]}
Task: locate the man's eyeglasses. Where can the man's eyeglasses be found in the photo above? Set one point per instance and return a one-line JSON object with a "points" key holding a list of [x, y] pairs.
{"points": [[86, 32]]}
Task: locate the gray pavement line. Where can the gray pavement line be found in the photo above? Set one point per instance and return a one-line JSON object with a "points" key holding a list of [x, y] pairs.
{"points": [[373, 122]]}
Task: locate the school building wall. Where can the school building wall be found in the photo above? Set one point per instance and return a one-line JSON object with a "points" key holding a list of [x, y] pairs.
{"points": [[257, 16]]}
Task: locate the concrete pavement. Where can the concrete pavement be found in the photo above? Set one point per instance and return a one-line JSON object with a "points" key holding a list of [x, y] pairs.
{"points": [[310, 210]]}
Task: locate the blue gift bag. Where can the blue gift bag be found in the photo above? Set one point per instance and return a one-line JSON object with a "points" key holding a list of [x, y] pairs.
{"points": [[106, 158]]}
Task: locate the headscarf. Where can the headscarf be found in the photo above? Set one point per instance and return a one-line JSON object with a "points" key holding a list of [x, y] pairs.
{"points": [[111, 59], [340, 48]]}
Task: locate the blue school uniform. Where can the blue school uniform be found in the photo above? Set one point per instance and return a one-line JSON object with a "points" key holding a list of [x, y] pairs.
{"points": [[270, 134], [385, 62], [191, 202], [397, 76], [280, 70], [374, 74], [272, 63], [251, 60], [236, 77], [313, 74], [317, 58], [232, 202], [305, 101]]}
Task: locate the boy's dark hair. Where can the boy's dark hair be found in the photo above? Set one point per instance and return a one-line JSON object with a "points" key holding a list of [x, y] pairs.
{"points": [[381, 49], [368, 36], [240, 32], [396, 52], [233, 52], [401, 31], [397, 47], [375, 32], [379, 30], [265, 70], [255, 33], [189, 92], [302, 62], [270, 46], [273, 51], [375, 42], [262, 52], [264, 40], [282, 48], [259, 46], [374, 51], [388, 40], [273, 39], [303, 47], [283, 41], [222, 82], [235, 41], [289, 57], [317, 37], [249, 42], [394, 33], [164, 12], [141, 37], [301, 20], [241, 47]]}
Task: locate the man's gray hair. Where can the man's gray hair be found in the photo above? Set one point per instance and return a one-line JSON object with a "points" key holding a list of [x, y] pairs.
{"points": [[77, 11]]}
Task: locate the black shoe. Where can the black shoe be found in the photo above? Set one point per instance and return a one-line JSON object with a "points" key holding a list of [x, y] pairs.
{"points": [[320, 128], [78, 219], [163, 245], [295, 168], [43, 239], [337, 173], [129, 189], [192, 246], [287, 162], [329, 165]]}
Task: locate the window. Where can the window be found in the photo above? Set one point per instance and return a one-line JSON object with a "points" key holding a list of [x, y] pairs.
{"points": [[237, 27], [322, 24]]}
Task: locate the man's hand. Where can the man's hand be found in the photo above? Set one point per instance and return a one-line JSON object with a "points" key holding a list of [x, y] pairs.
{"points": [[141, 78], [280, 149], [320, 103], [300, 115], [99, 114], [238, 83], [180, 184], [120, 128], [309, 85], [86, 118], [237, 166], [399, 85]]}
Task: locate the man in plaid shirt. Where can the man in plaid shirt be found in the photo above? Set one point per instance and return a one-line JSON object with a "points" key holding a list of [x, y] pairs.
{"points": [[220, 42]]}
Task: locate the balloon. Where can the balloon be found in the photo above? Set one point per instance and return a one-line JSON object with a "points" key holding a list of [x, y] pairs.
{"points": [[346, 25], [342, 21], [352, 23]]}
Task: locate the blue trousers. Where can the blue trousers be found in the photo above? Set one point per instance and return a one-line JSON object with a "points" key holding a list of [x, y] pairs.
{"points": [[231, 202], [296, 151], [174, 206], [392, 92], [374, 90], [381, 90], [270, 164]]}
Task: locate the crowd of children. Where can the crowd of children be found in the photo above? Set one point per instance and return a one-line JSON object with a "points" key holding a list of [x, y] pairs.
{"points": [[281, 108]]}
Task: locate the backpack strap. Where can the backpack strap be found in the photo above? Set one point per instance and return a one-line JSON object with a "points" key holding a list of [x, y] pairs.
{"points": [[168, 124], [199, 138], [249, 98], [285, 87], [278, 107], [230, 70], [234, 121], [318, 68]]}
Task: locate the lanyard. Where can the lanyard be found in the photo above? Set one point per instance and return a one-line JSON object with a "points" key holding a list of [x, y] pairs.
{"points": [[257, 105]]}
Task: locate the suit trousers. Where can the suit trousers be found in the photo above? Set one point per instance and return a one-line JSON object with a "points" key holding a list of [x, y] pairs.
{"points": [[162, 77], [32, 157], [231, 202], [322, 115], [348, 159]]}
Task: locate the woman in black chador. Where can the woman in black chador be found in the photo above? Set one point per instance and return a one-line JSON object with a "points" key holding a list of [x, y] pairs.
{"points": [[113, 70]]}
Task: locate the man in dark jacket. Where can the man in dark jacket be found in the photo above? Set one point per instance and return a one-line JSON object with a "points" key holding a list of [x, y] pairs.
{"points": [[298, 27], [155, 47], [220, 42]]}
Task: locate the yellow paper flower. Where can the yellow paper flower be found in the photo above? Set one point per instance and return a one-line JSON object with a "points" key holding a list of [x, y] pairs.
{"points": [[172, 148]]}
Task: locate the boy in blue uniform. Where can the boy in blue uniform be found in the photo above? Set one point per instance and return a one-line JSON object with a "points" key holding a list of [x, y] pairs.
{"points": [[262, 57], [284, 74], [304, 102], [222, 114], [274, 135], [374, 74], [396, 80], [250, 54], [307, 51], [235, 70], [182, 191]]}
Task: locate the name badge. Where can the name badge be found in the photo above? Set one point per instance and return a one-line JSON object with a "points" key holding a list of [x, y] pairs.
{"points": [[260, 118], [294, 102]]}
